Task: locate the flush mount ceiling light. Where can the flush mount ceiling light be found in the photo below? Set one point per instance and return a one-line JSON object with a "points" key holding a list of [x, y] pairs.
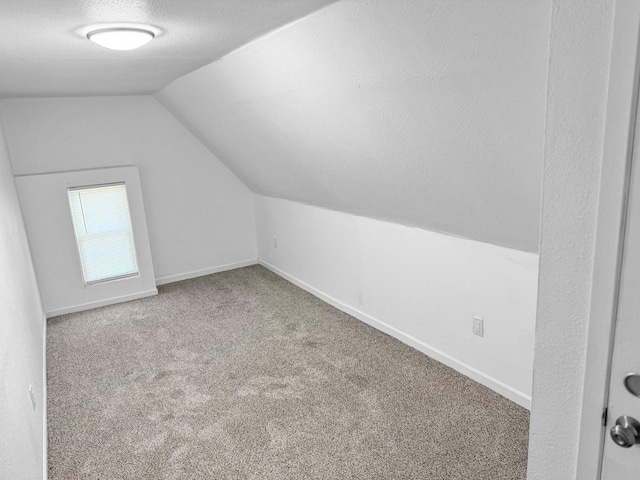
{"points": [[121, 37]]}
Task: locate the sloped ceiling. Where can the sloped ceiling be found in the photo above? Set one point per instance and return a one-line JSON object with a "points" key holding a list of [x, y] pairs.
{"points": [[43, 50], [426, 113]]}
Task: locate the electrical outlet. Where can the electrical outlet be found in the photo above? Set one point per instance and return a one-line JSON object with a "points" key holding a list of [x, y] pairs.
{"points": [[33, 398], [478, 326], [275, 242]]}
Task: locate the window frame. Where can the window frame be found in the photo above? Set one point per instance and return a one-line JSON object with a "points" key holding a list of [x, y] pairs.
{"points": [[116, 278]]}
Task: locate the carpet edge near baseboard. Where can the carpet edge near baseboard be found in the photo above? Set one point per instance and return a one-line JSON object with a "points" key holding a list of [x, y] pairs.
{"points": [[482, 378], [162, 280], [100, 303]]}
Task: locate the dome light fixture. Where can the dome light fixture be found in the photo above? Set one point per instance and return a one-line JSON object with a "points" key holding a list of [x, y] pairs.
{"points": [[121, 37]]}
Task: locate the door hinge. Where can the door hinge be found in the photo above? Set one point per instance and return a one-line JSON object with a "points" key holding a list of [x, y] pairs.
{"points": [[605, 414]]}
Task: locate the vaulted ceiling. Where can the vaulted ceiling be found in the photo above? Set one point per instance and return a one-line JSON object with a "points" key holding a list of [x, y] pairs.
{"points": [[44, 52], [427, 113]]}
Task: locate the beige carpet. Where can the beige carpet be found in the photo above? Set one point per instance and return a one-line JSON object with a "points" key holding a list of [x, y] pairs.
{"points": [[241, 375]]}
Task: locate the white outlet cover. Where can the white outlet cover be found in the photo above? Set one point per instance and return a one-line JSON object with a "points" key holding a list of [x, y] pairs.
{"points": [[478, 326], [33, 398]]}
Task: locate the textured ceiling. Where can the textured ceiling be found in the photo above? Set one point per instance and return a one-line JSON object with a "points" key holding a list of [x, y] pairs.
{"points": [[427, 113], [43, 51]]}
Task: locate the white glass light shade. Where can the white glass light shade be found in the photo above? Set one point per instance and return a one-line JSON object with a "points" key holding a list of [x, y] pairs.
{"points": [[121, 38]]}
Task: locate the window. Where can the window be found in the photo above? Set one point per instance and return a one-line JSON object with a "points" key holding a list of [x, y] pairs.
{"points": [[103, 232]]}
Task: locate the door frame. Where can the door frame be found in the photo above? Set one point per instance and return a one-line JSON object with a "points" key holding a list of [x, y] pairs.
{"points": [[622, 104]]}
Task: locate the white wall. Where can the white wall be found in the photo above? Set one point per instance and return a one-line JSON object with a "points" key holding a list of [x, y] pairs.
{"points": [[579, 57], [426, 113], [22, 440], [420, 286], [45, 208], [199, 215]]}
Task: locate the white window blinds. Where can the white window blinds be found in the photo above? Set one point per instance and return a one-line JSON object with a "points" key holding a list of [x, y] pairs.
{"points": [[103, 231]]}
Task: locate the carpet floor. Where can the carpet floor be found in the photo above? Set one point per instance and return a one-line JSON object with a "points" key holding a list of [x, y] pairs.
{"points": [[242, 375]]}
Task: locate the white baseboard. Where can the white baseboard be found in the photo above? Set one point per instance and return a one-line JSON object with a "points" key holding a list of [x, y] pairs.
{"points": [[101, 303], [45, 434], [494, 384], [205, 271]]}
